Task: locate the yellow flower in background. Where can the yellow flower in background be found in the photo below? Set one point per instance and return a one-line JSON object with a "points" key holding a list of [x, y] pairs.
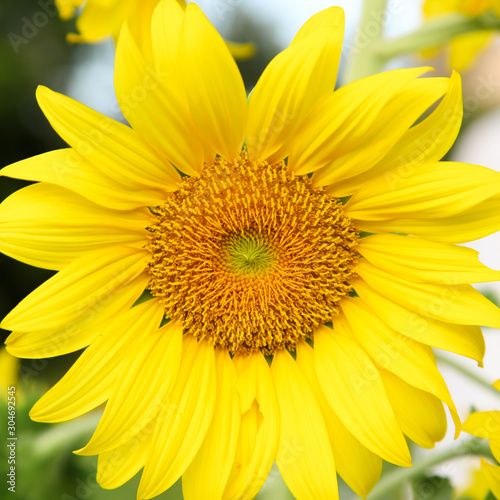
{"points": [[9, 371], [477, 488], [100, 19], [486, 425], [294, 335], [463, 49]]}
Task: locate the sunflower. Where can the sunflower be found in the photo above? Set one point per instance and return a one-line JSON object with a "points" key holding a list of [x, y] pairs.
{"points": [[463, 49], [486, 425], [100, 19], [252, 281]]}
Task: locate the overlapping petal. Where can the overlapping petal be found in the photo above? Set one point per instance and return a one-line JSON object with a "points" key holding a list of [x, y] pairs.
{"points": [[149, 100], [466, 340], [90, 381], [420, 415], [208, 473], [66, 168], [425, 142], [79, 333], [442, 189], [145, 382], [48, 226], [354, 389], [111, 146], [78, 287], [420, 260], [332, 133], [411, 361], [183, 420], [117, 466], [458, 304], [217, 97], [259, 427], [305, 458], [359, 467], [302, 76]]}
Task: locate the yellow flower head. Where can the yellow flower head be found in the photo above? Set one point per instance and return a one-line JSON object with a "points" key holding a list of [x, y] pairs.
{"points": [[100, 19], [301, 245], [486, 425], [463, 49]]}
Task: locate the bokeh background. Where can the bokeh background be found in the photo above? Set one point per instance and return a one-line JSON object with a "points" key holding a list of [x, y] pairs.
{"points": [[33, 51]]}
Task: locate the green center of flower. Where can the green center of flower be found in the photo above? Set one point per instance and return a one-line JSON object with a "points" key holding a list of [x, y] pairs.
{"points": [[248, 255]]}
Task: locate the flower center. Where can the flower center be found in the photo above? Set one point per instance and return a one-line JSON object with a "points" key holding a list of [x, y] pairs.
{"points": [[248, 254], [251, 257]]}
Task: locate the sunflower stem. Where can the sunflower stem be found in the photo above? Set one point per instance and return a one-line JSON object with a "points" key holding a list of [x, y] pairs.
{"points": [[433, 33], [362, 60], [467, 372], [65, 435], [396, 478]]}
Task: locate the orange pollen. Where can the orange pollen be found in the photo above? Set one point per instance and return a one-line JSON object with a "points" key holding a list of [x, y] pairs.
{"points": [[251, 257]]}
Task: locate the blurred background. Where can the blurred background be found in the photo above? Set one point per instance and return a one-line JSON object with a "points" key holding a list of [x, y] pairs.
{"points": [[33, 51]]}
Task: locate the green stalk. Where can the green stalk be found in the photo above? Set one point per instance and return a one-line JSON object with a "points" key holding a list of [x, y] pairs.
{"points": [[399, 476], [466, 372], [433, 33], [369, 51], [65, 435], [362, 60]]}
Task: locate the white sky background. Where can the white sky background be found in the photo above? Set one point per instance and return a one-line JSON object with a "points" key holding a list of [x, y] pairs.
{"points": [[92, 84]]}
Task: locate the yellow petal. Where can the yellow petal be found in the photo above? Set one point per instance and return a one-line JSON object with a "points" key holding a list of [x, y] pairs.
{"points": [[420, 415], [77, 334], [483, 424], [75, 289], [434, 190], [492, 474], [89, 382], [145, 382], [410, 360], [111, 146], [337, 127], [293, 83], [183, 420], [139, 21], [208, 473], [426, 142], [359, 467], [416, 259], [305, 457], [259, 428], [496, 385], [465, 340], [458, 304], [66, 168], [474, 223], [217, 97], [48, 226], [495, 448], [117, 466], [149, 101], [166, 32], [353, 387], [332, 17]]}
